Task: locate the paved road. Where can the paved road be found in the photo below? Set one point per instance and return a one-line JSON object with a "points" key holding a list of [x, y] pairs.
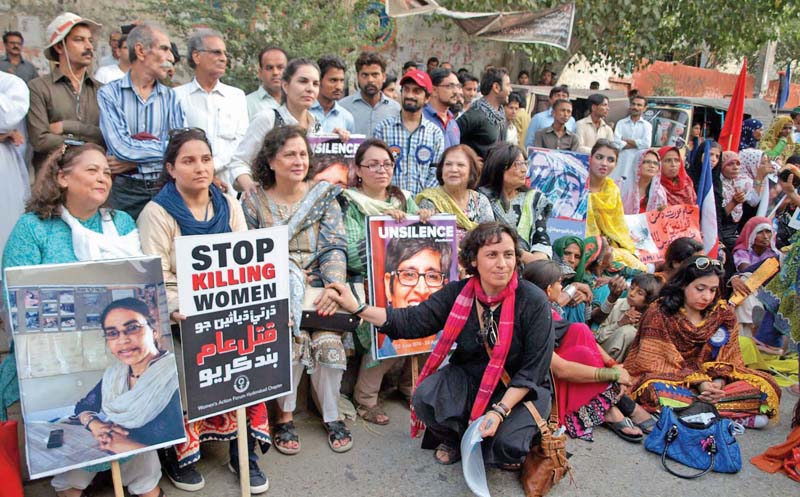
{"points": [[386, 463]]}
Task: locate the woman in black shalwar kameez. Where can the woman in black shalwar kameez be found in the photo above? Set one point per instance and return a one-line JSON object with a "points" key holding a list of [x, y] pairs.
{"points": [[446, 400]]}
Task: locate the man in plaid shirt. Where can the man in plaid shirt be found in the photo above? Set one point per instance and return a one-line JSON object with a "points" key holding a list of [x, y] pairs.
{"points": [[416, 142]]}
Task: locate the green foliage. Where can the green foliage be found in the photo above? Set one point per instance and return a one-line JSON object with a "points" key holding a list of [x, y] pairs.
{"points": [[310, 28], [626, 32]]}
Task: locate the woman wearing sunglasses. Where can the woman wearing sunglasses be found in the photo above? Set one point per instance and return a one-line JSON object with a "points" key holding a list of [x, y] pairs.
{"points": [[190, 204], [688, 347]]}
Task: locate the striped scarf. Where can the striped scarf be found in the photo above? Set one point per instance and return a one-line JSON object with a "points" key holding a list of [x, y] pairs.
{"points": [[452, 328]]}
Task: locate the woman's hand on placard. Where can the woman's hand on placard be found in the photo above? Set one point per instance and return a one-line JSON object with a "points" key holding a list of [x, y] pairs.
{"points": [[177, 316], [425, 215], [396, 214]]}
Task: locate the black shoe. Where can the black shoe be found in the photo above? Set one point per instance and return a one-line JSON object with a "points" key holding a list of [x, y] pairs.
{"points": [[259, 483], [186, 478]]}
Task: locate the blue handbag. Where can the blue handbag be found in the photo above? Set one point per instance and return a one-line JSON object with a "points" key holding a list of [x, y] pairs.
{"points": [[698, 437]]}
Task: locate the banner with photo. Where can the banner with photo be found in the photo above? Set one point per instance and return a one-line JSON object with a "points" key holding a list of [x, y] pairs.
{"points": [[334, 160], [653, 231], [236, 345], [98, 378], [408, 261], [563, 177]]}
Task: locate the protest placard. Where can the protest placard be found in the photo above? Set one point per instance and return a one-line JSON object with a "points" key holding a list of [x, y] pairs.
{"points": [[408, 261], [236, 344], [653, 231], [563, 177], [334, 160], [80, 331]]}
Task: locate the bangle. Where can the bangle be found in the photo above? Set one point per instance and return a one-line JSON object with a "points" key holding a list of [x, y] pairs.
{"points": [[360, 309], [503, 409], [606, 374], [606, 307], [94, 417], [499, 412], [571, 290]]}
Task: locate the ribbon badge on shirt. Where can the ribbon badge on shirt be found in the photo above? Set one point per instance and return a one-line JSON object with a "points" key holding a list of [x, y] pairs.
{"points": [[718, 339], [397, 153], [424, 154]]}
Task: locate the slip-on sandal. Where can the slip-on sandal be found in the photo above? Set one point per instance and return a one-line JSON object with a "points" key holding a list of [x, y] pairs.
{"points": [[618, 426]]}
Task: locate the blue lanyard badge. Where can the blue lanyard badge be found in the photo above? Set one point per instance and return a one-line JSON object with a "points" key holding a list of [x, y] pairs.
{"points": [[718, 339]]}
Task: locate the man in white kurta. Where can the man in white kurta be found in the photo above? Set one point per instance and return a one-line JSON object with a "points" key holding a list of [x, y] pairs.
{"points": [[632, 134], [15, 186]]}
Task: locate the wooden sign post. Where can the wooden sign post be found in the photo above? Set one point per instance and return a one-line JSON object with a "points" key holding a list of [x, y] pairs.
{"points": [[116, 477], [241, 443]]}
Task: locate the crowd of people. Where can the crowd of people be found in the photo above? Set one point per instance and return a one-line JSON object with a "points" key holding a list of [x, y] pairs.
{"points": [[126, 161]]}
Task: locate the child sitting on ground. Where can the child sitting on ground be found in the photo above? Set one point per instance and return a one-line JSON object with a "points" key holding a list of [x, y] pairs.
{"points": [[619, 329]]}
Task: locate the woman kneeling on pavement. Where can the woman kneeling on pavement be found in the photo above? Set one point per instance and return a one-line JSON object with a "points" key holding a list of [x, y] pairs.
{"points": [[190, 204], [688, 346], [498, 323]]}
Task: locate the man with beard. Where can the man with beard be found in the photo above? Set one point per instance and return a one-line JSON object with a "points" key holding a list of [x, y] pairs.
{"points": [[136, 114], [631, 135], [370, 106], [444, 96], [416, 142], [271, 63], [484, 124], [326, 110], [209, 104], [64, 102], [13, 62]]}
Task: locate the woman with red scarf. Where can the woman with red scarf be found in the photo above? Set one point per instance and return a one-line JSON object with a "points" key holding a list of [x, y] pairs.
{"points": [[492, 309], [674, 179]]}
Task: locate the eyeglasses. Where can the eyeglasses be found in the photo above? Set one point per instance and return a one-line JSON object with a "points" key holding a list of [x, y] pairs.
{"points": [[375, 167], [489, 330], [111, 334], [519, 164], [216, 52], [703, 263], [650, 162], [410, 277], [179, 131]]}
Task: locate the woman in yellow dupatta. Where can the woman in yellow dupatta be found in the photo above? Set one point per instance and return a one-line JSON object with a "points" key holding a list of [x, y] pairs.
{"points": [[777, 141], [606, 215], [458, 174]]}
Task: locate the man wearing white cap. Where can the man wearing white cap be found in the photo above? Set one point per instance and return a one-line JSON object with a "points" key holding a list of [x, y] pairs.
{"points": [[136, 114], [64, 102]]}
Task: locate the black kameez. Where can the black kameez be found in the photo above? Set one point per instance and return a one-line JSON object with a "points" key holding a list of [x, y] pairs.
{"points": [[444, 399]]}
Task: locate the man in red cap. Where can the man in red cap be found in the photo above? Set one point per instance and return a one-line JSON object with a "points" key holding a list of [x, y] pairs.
{"points": [[416, 142]]}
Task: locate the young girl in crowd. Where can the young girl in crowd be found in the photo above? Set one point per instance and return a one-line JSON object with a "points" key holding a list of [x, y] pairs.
{"points": [[606, 215], [619, 329], [589, 382]]}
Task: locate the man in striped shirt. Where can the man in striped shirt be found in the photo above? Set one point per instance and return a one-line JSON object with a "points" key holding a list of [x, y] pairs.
{"points": [[136, 115]]}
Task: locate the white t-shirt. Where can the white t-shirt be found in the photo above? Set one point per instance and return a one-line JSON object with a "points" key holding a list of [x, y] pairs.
{"points": [[109, 73]]}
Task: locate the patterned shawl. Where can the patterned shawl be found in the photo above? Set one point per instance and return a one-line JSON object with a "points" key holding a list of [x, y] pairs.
{"points": [[730, 186], [445, 204], [670, 349], [680, 191]]}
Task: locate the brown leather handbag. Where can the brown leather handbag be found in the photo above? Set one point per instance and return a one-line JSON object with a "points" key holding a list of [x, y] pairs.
{"points": [[546, 463]]}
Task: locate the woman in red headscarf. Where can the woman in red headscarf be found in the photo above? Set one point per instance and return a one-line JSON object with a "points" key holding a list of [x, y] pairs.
{"points": [[678, 184]]}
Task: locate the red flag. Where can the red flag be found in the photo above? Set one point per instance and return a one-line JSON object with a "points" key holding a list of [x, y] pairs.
{"points": [[732, 131]]}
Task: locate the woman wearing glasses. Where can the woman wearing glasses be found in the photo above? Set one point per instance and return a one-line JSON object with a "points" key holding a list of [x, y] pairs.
{"points": [[688, 346], [643, 191], [317, 254], [498, 323], [513, 203], [190, 204], [606, 215], [457, 173], [372, 194]]}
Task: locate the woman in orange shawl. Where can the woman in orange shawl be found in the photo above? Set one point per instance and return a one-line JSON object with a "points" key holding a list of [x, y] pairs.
{"points": [[674, 179], [688, 347]]}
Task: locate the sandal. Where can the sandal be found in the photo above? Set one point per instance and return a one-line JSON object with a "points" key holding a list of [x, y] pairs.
{"points": [[337, 432], [282, 434], [647, 425], [618, 426], [372, 414], [453, 454]]}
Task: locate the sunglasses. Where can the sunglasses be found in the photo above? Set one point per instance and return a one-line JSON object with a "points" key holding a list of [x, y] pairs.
{"points": [[703, 263], [179, 131]]}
